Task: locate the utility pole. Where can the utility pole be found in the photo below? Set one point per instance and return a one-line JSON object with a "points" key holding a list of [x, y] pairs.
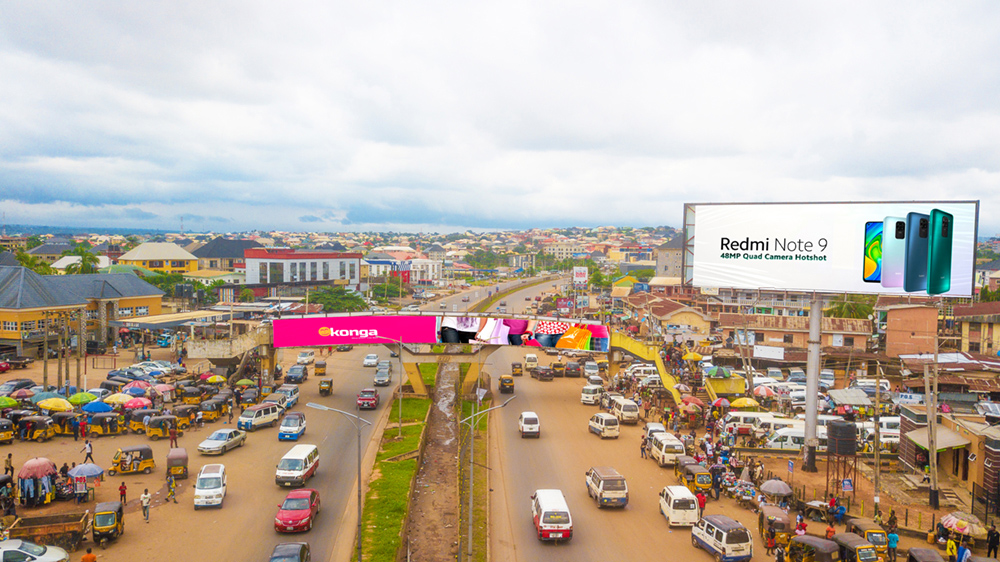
{"points": [[878, 433], [812, 382]]}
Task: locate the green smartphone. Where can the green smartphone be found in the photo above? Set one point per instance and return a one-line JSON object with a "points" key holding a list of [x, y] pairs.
{"points": [[939, 252]]}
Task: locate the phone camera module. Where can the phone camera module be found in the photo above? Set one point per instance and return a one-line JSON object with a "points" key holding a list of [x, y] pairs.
{"points": [[923, 228], [900, 230]]}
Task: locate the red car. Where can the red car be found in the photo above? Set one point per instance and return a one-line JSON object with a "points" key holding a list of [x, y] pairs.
{"points": [[4, 366], [298, 511], [368, 399]]}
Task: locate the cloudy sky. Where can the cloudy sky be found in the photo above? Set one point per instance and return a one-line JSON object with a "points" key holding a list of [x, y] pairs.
{"points": [[447, 115]]}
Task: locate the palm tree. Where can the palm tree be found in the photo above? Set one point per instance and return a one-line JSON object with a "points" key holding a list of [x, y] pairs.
{"points": [[87, 264], [852, 306], [34, 263]]}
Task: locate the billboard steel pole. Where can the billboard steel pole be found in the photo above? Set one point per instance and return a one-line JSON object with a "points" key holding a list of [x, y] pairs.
{"points": [[812, 381]]}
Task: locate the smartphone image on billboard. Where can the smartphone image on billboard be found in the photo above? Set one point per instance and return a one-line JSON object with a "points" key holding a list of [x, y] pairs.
{"points": [[939, 252], [873, 252], [915, 261], [893, 251]]}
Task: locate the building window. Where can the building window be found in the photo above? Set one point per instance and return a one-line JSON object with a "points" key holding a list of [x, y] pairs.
{"points": [[213, 264], [142, 311], [91, 315], [180, 264], [277, 273], [156, 264], [973, 347], [127, 311], [313, 271], [326, 270], [788, 338], [28, 325], [849, 342], [9, 326], [295, 271], [343, 270], [351, 270]]}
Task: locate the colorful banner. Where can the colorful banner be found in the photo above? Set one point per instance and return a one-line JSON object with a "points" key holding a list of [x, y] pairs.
{"points": [[354, 330]]}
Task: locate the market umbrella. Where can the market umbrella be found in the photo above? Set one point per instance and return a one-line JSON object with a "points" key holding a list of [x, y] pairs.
{"points": [[118, 398], [161, 388], [37, 468], [137, 403], [776, 487], [745, 403], [39, 396], [86, 470], [718, 372], [248, 382], [22, 394], [55, 405], [205, 376], [692, 356], [81, 398], [134, 391], [693, 400], [7, 402], [690, 408], [964, 523], [123, 330], [720, 403], [96, 407], [216, 379], [137, 384], [764, 392]]}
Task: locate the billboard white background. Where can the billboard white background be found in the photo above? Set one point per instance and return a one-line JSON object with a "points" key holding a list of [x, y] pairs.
{"points": [[580, 277], [840, 225]]}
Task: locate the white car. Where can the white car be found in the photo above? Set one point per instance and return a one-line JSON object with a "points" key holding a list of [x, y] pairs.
{"points": [[17, 549], [528, 425], [222, 440], [99, 392], [371, 360], [210, 487], [306, 357]]}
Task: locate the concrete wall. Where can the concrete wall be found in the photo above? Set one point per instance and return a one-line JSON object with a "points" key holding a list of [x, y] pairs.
{"points": [[910, 330]]}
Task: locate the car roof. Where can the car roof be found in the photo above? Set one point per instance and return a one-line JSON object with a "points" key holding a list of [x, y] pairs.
{"points": [[529, 413], [212, 469], [723, 523], [375, 355], [288, 548], [301, 493]]}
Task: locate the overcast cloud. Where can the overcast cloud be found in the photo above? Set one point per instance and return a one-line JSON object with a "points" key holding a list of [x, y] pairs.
{"points": [[447, 115]]}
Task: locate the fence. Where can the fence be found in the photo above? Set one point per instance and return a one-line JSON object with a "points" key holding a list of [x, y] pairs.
{"points": [[985, 503]]}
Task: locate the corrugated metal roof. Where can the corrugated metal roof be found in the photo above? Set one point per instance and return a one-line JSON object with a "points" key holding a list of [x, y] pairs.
{"points": [[223, 248], [21, 288], [794, 323], [157, 251], [104, 285], [849, 397]]}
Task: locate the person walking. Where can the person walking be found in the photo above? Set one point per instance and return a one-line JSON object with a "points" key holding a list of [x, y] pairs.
{"points": [[144, 500], [89, 557], [88, 448], [779, 554], [231, 405], [992, 541], [642, 446], [171, 488], [951, 549], [8, 465], [76, 429], [701, 504], [173, 435], [121, 493], [83, 427], [892, 541], [770, 538], [830, 531]]}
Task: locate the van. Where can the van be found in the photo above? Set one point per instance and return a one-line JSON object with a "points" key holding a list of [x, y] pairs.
{"points": [[724, 538], [604, 425], [793, 438], [298, 465], [766, 425], [679, 506], [870, 383], [210, 487], [642, 371], [796, 374], [625, 410], [590, 369], [775, 373], [822, 420], [530, 361], [664, 448], [607, 486], [551, 516], [591, 394], [257, 416], [278, 399], [743, 421], [291, 393]]}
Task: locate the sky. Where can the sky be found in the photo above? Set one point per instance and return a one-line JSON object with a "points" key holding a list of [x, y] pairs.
{"points": [[443, 116]]}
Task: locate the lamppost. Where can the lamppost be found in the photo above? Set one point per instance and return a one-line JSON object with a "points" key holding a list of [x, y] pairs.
{"points": [[399, 355], [472, 459], [357, 422]]}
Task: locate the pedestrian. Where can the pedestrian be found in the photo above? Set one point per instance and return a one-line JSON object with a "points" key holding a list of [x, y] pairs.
{"points": [[230, 414], [171, 487], [892, 540], [64, 471], [83, 427], [992, 541], [88, 448], [76, 429], [779, 554], [642, 446], [951, 549], [122, 493], [770, 538], [144, 500], [701, 504], [173, 435], [8, 465], [830, 531], [964, 552], [89, 557]]}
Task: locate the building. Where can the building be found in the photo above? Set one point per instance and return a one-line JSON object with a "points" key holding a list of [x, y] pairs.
{"points": [[909, 329], [8, 258], [968, 448], [209, 276], [50, 252], [669, 257], [29, 302], [521, 261], [64, 262], [162, 257], [223, 254], [270, 266], [793, 331], [13, 243], [673, 320], [436, 252], [563, 250], [979, 325], [425, 271]]}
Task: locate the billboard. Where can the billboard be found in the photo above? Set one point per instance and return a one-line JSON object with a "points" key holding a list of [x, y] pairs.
{"points": [[580, 277], [913, 247], [316, 331]]}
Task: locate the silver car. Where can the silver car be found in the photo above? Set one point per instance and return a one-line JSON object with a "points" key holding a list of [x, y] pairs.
{"points": [[17, 549], [222, 440], [382, 378]]}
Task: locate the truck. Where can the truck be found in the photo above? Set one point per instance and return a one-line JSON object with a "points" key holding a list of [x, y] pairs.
{"points": [[66, 530]]}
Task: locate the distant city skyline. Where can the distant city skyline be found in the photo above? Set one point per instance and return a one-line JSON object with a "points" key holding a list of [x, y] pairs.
{"points": [[354, 117]]}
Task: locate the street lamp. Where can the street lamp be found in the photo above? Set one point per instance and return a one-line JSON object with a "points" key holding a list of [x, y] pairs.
{"points": [[357, 422], [400, 393], [472, 458]]}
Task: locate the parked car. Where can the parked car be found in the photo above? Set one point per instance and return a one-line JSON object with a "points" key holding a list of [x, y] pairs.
{"points": [[222, 440], [7, 388], [298, 511], [344, 347], [368, 399], [4, 366], [290, 552], [17, 549], [306, 357]]}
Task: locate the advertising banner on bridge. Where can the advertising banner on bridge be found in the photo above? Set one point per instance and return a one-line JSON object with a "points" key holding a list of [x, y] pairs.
{"points": [[433, 329], [912, 247]]}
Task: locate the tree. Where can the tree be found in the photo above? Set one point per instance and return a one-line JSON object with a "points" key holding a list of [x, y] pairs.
{"points": [[87, 264], [643, 274], [338, 299], [34, 263], [852, 306], [246, 295], [34, 241]]}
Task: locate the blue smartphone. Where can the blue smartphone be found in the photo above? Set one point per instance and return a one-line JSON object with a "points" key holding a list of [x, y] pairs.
{"points": [[873, 252], [915, 266]]}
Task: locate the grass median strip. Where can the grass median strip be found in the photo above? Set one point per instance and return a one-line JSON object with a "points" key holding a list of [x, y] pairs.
{"points": [[428, 372], [480, 506], [388, 497]]}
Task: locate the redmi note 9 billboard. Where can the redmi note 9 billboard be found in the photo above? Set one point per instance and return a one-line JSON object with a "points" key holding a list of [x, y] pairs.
{"points": [[560, 333], [911, 247]]}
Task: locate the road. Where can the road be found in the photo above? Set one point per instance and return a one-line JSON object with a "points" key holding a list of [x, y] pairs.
{"points": [[454, 303]]}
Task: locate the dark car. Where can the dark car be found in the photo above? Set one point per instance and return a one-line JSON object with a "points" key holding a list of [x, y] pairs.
{"points": [[344, 347], [15, 384], [290, 552], [542, 373], [573, 369], [297, 374]]}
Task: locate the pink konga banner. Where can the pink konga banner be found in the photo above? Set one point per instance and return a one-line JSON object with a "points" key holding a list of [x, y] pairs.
{"points": [[360, 330], [355, 330]]}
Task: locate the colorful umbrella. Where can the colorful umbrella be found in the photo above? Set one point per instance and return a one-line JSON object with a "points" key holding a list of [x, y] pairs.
{"points": [[7, 402], [718, 372], [745, 403], [964, 524], [97, 407], [690, 408], [134, 391], [681, 387], [137, 384], [86, 470], [693, 400], [692, 356], [118, 398], [82, 398], [22, 394], [248, 382], [39, 396], [161, 388], [720, 403], [55, 405], [37, 468], [137, 403], [205, 376], [764, 392], [216, 379]]}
